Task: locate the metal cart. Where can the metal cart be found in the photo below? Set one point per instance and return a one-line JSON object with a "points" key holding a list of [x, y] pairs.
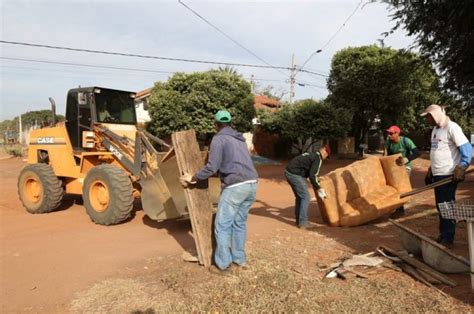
{"points": [[462, 210]]}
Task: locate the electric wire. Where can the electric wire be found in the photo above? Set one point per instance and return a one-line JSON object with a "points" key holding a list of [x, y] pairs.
{"points": [[237, 43], [226, 35], [301, 84], [153, 57], [300, 69], [86, 65]]}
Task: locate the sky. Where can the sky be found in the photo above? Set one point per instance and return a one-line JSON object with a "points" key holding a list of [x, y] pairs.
{"points": [[272, 30]]}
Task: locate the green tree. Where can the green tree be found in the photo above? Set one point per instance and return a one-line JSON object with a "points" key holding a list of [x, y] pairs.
{"points": [[373, 84], [188, 101], [29, 119], [444, 32], [306, 122]]}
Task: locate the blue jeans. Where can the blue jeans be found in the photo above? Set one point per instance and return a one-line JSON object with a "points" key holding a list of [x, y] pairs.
{"points": [[300, 189], [445, 193], [230, 225]]}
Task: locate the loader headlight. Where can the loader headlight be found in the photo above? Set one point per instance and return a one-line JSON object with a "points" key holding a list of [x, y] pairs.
{"points": [[88, 139]]}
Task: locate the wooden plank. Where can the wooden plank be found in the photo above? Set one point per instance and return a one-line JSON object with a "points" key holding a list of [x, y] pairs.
{"points": [[197, 197], [419, 265], [432, 185], [412, 271]]}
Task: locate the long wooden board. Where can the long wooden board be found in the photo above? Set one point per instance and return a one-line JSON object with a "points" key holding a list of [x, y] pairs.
{"points": [[197, 197], [433, 185]]}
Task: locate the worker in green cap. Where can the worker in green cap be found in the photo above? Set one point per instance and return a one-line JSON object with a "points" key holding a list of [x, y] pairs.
{"points": [[229, 155]]}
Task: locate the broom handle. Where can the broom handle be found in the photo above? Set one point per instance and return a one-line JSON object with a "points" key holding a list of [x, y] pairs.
{"points": [[432, 185]]}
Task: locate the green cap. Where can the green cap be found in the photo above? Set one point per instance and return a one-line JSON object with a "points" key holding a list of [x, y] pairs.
{"points": [[223, 116]]}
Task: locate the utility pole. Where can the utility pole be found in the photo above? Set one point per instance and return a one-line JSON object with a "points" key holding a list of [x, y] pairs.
{"points": [[381, 41], [292, 79], [252, 83], [21, 130]]}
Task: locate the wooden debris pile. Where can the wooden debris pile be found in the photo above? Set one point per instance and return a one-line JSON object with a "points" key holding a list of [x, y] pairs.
{"points": [[363, 266]]}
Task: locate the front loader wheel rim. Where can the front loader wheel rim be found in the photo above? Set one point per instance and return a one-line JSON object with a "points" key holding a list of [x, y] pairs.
{"points": [[99, 196], [33, 190]]}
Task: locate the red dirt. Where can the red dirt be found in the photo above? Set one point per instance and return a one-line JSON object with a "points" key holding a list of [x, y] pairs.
{"points": [[46, 259]]}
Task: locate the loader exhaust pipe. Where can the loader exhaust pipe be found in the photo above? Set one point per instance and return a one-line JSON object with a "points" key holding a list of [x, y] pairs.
{"points": [[53, 110]]}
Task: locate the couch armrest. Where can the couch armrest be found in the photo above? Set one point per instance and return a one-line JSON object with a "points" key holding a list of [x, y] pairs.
{"points": [[395, 176]]}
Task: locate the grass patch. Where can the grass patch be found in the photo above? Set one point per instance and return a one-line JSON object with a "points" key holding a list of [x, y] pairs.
{"points": [[283, 277]]}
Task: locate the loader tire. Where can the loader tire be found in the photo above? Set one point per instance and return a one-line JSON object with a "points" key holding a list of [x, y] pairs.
{"points": [[39, 188], [108, 195]]}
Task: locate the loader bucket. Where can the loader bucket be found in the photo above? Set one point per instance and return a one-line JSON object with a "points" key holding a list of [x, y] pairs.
{"points": [[163, 196], [157, 201]]}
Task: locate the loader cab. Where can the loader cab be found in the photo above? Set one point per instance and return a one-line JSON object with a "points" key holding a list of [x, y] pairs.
{"points": [[96, 105]]}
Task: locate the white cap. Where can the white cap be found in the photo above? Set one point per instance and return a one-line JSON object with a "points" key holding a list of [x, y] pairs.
{"points": [[430, 109]]}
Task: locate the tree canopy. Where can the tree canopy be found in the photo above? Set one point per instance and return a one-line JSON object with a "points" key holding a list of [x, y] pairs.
{"points": [[29, 119], [444, 32], [190, 101], [306, 122], [384, 84]]}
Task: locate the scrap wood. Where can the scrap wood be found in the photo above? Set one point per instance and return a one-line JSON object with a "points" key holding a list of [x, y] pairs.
{"points": [[414, 273], [347, 273], [345, 269], [341, 273], [403, 256], [198, 201], [357, 273], [378, 271], [361, 260], [391, 266], [428, 277]]}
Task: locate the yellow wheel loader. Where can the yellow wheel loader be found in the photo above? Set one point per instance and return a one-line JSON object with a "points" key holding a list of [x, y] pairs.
{"points": [[99, 153]]}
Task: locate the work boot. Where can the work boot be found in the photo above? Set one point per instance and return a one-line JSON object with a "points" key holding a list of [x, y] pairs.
{"points": [[445, 243], [241, 267], [306, 226], [398, 213], [217, 271]]}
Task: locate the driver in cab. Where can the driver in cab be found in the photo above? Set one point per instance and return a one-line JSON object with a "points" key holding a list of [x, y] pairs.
{"points": [[103, 113]]}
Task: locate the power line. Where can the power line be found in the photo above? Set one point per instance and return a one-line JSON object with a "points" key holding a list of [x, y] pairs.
{"points": [[154, 57], [332, 37], [301, 84], [141, 56], [318, 71], [126, 69], [239, 44], [225, 34], [73, 72], [86, 65]]}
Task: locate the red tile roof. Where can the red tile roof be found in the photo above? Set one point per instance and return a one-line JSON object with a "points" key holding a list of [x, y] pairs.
{"points": [[264, 102], [143, 93]]}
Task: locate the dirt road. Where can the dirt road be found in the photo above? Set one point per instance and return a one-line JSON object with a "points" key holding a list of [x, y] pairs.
{"points": [[46, 259]]}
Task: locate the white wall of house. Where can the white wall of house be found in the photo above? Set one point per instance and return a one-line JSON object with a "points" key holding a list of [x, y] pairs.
{"points": [[142, 114], [249, 141]]}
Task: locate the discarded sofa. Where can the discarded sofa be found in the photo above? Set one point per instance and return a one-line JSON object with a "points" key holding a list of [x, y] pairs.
{"points": [[363, 191]]}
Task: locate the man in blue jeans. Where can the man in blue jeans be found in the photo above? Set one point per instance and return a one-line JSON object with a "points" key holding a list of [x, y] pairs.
{"points": [[298, 169], [450, 156], [229, 155]]}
